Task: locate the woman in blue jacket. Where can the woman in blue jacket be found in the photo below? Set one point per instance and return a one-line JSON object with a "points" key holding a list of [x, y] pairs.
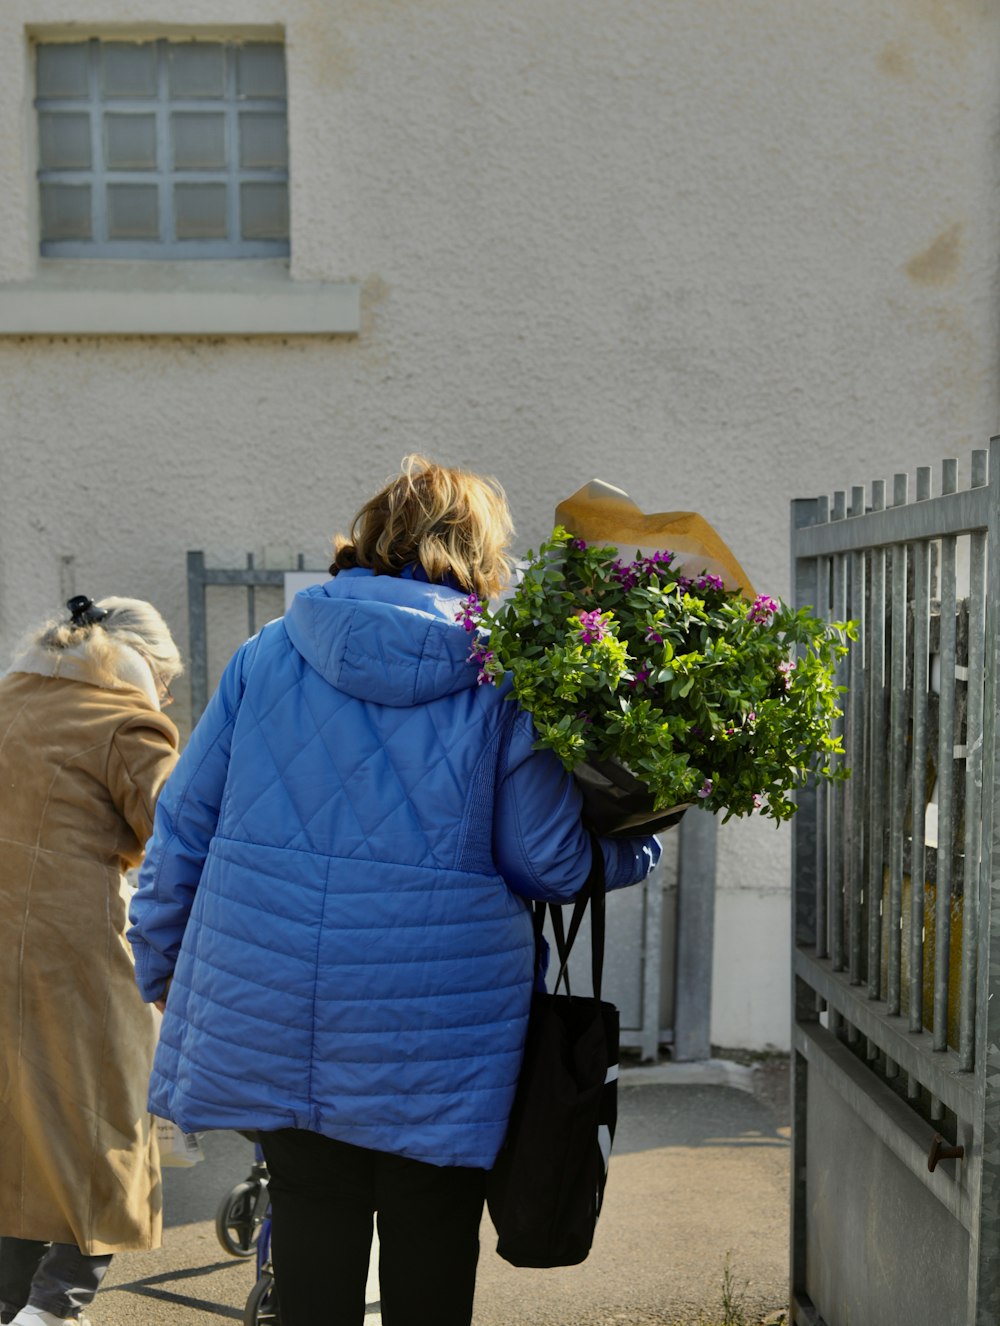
{"points": [[336, 895]]}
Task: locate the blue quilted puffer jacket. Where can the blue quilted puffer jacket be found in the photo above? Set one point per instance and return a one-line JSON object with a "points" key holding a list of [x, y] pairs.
{"points": [[337, 882]]}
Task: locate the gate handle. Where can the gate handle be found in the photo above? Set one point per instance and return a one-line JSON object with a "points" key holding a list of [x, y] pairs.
{"points": [[942, 1150]]}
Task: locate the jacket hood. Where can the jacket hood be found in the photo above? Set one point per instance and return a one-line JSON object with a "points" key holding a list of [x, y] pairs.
{"points": [[394, 640]]}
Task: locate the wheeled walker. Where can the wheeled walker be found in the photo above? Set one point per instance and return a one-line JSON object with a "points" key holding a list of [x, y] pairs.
{"points": [[243, 1226]]}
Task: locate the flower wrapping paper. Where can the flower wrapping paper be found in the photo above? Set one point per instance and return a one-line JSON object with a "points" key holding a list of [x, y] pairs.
{"points": [[601, 513]]}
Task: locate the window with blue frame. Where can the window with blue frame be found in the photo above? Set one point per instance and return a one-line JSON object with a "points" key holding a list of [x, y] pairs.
{"points": [[162, 149]]}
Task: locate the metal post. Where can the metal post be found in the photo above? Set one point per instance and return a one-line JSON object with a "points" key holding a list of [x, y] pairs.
{"points": [[197, 634], [946, 772], [836, 794], [973, 779], [855, 711], [918, 778], [807, 880], [652, 963], [984, 1249], [251, 601], [897, 755], [803, 1012], [816, 592], [808, 919], [695, 937], [877, 758]]}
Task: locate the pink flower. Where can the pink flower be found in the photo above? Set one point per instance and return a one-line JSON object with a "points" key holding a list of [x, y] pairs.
{"points": [[786, 669], [625, 575], [469, 611], [579, 544], [654, 564], [478, 653], [592, 627], [640, 676], [709, 581], [762, 610], [628, 574], [706, 788], [654, 637]]}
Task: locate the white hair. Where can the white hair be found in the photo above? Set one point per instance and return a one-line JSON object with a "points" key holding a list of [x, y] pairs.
{"points": [[131, 622]]}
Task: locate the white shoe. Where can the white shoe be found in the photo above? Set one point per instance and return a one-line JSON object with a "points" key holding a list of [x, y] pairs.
{"points": [[39, 1317]]}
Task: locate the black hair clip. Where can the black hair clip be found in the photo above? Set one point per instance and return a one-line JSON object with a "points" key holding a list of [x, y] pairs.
{"points": [[84, 611]]}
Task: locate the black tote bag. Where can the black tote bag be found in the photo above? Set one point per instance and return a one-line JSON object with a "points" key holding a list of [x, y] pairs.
{"points": [[545, 1191]]}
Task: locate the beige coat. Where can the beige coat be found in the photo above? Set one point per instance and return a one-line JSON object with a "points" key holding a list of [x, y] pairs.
{"points": [[81, 765]]}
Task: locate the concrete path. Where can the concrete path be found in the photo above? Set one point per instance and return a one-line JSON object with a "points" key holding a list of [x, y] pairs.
{"points": [[699, 1178]]}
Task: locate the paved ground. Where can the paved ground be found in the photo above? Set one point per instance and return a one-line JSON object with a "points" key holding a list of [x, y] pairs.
{"points": [[699, 1175]]}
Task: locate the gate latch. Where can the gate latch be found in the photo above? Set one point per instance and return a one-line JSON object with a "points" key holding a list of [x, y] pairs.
{"points": [[942, 1150]]}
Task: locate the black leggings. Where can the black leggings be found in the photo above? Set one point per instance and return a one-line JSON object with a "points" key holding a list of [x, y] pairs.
{"points": [[323, 1197]]}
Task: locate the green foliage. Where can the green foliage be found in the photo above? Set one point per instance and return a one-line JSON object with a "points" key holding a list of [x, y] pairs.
{"points": [[701, 694]]}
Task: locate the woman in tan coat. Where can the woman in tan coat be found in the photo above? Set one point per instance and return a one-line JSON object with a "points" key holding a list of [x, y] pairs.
{"points": [[84, 751]]}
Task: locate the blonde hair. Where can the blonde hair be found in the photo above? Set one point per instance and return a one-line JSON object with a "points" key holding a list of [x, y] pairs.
{"points": [[132, 622], [456, 525]]}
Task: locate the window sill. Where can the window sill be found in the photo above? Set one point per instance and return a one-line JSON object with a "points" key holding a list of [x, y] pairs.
{"points": [[114, 298]]}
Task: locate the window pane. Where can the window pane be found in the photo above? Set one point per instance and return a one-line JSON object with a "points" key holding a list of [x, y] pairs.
{"points": [[66, 211], [128, 69], [199, 140], [122, 122], [264, 211], [263, 139], [63, 70], [64, 140], [261, 70], [196, 69], [200, 211], [133, 211], [130, 142]]}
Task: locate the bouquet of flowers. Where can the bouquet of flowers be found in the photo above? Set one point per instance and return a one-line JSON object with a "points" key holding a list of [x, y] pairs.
{"points": [[662, 689]]}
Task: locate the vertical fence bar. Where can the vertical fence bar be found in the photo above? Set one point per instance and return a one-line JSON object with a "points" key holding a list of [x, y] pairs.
{"points": [[920, 557], [197, 634], [652, 966], [897, 756], [877, 761], [805, 848], [837, 798], [695, 935], [973, 779], [809, 905], [918, 780], [946, 767], [251, 601], [984, 1251], [855, 707], [821, 604]]}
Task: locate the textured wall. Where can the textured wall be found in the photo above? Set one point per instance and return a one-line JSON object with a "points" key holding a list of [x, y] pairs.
{"points": [[720, 252]]}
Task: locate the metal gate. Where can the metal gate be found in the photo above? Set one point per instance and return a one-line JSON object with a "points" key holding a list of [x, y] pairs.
{"points": [[896, 923], [658, 968]]}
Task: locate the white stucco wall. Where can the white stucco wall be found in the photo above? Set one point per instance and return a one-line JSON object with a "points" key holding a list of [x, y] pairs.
{"points": [[719, 252]]}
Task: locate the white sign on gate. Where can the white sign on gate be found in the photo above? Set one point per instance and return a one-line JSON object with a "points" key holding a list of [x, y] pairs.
{"points": [[296, 580]]}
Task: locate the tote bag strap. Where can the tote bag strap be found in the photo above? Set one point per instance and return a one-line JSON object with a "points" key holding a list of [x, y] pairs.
{"points": [[592, 892]]}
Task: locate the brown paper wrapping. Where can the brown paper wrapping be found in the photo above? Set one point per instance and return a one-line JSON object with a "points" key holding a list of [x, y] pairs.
{"points": [[601, 513]]}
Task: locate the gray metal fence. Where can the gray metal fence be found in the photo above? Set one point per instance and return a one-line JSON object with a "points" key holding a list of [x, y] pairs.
{"points": [[659, 944], [896, 934], [199, 578]]}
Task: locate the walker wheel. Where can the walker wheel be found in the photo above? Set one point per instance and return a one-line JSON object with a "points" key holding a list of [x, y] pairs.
{"points": [[236, 1221], [262, 1305]]}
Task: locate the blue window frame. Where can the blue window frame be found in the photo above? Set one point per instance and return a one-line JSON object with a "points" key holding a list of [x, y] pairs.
{"points": [[162, 149]]}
